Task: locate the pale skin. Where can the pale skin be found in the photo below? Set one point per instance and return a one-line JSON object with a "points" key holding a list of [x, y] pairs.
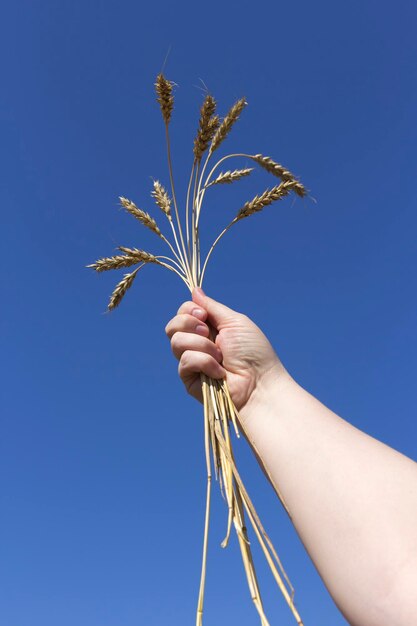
{"points": [[351, 498]]}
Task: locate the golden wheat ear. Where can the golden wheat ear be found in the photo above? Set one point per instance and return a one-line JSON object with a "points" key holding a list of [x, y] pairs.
{"points": [[281, 172], [143, 217], [267, 197], [227, 124], [164, 97], [226, 178], [120, 289], [131, 256], [161, 198], [208, 124]]}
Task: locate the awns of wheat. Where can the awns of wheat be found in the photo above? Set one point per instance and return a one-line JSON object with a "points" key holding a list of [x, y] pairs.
{"points": [[185, 261]]}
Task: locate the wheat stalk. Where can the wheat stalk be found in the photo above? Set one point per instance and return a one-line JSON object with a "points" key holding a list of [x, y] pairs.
{"points": [[219, 410]]}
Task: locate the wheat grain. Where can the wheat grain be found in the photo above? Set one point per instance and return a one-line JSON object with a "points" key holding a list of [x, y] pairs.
{"points": [[226, 125], [280, 171], [266, 198], [120, 289], [229, 177], [164, 97], [140, 215], [208, 125], [162, 198], [140, 255], [132, 257]]}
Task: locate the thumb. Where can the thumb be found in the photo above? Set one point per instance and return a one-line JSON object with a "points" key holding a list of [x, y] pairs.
{"points": [[219, 314]]}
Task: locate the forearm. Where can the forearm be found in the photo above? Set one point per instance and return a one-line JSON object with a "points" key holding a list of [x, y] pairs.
{"points": [[352, 499]]}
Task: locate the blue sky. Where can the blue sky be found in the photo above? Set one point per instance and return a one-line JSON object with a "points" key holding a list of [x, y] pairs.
{"points": [[101, 454]]}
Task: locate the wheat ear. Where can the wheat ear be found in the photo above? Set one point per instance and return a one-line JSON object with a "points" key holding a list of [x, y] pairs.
{"points": [[140, 215], [164, 97], [121, 288], [162, 198], [267, 197], [230, 177], [281, 172], [208, 125], [166, 101], [226, 125], [132, 256]]}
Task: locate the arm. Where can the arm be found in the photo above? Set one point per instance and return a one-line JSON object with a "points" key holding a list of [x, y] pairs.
{"points": [[352, 499]]}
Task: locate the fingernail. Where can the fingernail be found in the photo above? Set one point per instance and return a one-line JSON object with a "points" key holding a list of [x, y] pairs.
{"points": [[201, 330], [199, 314]]}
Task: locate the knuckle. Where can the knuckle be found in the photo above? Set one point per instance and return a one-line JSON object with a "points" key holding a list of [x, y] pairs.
{"points": [[206, 360], [185, 306], [177, 341], [242, 317], [186, 359]]}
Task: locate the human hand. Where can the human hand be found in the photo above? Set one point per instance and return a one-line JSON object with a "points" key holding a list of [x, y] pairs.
{"points": [[239, 351]]}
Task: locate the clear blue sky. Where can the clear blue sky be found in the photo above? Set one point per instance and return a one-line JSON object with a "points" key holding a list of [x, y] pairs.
{"points": [[101, 455]]}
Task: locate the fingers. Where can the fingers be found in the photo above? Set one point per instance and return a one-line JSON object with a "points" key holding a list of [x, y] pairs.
{"points": [[181, 342], [186, 323], [193, 309], [192, 363], [219, 314], [190, 343]]}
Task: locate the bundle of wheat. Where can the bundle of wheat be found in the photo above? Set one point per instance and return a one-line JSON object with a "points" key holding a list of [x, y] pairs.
{"points": [[219, 410]]}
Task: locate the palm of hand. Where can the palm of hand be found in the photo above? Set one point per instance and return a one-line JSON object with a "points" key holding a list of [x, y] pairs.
{"points": [[247, 355]]}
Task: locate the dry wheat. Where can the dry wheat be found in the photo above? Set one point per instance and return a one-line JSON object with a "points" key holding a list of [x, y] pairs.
{"points": [[208, 125], [280, 171], [226, 125], [140, 255], [131, 257], [230, 177], [219, 410], [140, 215], [120, 289], [164, 97], [161, 197], [266, 198]]}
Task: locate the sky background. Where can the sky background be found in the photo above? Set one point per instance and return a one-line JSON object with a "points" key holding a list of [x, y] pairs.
{"points": [[102, 466]]}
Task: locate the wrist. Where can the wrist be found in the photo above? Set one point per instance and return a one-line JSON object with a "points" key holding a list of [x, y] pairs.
{"points": [[271, 388]]}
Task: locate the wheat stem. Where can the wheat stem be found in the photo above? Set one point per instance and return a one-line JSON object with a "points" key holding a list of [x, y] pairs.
{"points": [[172, 269], [187, 209], [198, 207], [182, 253], [174, 252], [177, 265], [216, 241], [199, 617], [195, 249], [259, 530], [202, 191]]}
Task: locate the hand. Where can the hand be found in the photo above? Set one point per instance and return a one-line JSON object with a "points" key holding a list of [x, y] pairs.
{"points": [[239, 351]]}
